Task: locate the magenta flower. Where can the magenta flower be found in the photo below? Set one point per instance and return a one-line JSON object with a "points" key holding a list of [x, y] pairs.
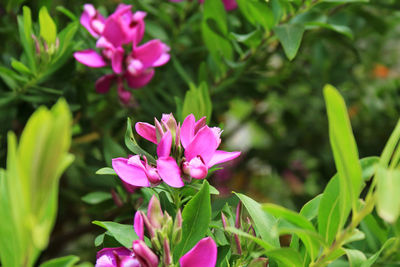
{"points": [[229, 4], [114, 34], [198, 141]]}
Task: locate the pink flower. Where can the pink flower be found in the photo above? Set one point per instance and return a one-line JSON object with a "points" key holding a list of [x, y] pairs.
{"points": [[229, 4], [141, 62], [92, 20], [121, 28], [124, 27], [116, 257], [199, 142]]}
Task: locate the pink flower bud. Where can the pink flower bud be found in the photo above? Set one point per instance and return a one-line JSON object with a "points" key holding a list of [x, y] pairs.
{"points": [[154, 213], [144, 254]]}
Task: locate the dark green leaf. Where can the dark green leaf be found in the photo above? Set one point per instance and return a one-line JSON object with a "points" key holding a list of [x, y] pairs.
{"points": [[290, 36], [96, 197]]}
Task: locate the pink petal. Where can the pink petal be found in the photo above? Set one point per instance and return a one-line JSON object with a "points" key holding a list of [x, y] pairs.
{"points": [[222, 156], [149, 53], [195, 168], [164, 147], [85, 21], [199, 124], [170, 172], [130, 174], [138, 225], [204, 254], [144, 254], [203, 144], [187, 130], [104, 83], [141, 80], [147, 131], [116, 60], [113, 31], [90, 58], [107, 256]]}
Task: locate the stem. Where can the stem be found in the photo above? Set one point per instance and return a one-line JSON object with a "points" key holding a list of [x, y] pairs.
{"points": [[341, 239]]}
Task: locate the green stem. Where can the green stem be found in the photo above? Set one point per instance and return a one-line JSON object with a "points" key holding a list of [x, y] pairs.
{"points": [[323, 260]]}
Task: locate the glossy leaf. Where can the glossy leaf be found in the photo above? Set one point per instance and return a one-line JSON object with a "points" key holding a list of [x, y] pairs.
{"points": [[387, 192], [196, 217], [67, 261], [265, 223], [290, 36], [48, 29], [96, 197], [123, 233], [344, 149]]}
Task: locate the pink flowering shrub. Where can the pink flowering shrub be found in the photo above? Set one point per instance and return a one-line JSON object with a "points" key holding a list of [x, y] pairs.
{"points": [[184, 152], [118, 39]]}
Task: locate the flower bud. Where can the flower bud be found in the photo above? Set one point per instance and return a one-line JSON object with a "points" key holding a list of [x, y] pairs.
{"points": [[154, 212], [167, 253], [167, 224], [159, 130], [169, 123], [145, 255]]}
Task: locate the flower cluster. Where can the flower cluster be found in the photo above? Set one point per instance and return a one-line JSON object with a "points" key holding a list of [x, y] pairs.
{"points": [[163, 233], [184, 152], [229, 4], [118, 38]]}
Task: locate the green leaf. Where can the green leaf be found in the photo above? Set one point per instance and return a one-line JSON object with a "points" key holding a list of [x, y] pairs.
{"points": [[344, 148], [257, 12], [213, 190], [123, 233], [48, 29], [133, 146], [332, 215], [106, 171], [387, 192], [342, 29], [356, 257], [310, 209], [28, 205], [196, 217], [290, 36], [217, 43], [25, 35], [19, 66], [96, 197], [286, 257], [67, 261], [264, 223], [371, 260], [197, 102], [290, 216]]}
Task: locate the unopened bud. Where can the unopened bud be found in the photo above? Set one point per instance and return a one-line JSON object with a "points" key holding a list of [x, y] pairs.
{"points": [[167, 224], [154, 212], [238, 215], [224, 220], [159, 130], [167, 253], [144, 254]]}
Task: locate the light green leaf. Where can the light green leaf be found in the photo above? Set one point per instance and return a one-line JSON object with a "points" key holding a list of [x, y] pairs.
{"points": [[356, 257], [290, 36], [67, 261], [213, 190], [197, 102], [123, 233], [290, 216], [264, 223], [19, 66], [48, 29], [96, 197], [371, 260], [106, 171], [344, 148], [387, 192], [310, 209], [257, 12], [196, 217]]}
